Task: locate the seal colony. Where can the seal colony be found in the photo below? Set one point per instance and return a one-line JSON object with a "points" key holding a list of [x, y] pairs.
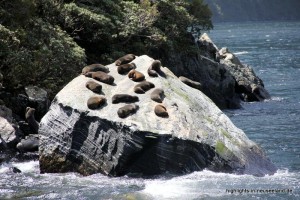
{"points": [[99, 72]]}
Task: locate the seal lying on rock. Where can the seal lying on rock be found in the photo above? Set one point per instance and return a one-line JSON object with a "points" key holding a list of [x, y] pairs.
{"points": [[125, 59], [94, 87], [136, 76], [29, 116], [96, 102], [161, 111], [29, 144], [124, 98], [157, 95], [154, 68], [191, 83], [94, 68], [125, 68], [127, 110], [143, 87], [101, 76]]}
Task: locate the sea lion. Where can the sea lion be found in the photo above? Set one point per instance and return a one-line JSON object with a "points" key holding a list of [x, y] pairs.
{"points": [[125, 59], [29, 144], [161, 111], [94, 87], [33, 124], [157, 95], [101, 76], [124, 98], [154, 68], [136, 76], [125, 68], [191, 83], [94, 68], [127, 110], [143, 87], [96, 102]]}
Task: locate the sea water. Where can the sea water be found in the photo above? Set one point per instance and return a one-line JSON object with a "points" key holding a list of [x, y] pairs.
{"points": [[273, 50]]}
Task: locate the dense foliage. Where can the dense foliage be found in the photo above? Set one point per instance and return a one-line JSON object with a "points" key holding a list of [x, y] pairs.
{"points": [[47, 42]]}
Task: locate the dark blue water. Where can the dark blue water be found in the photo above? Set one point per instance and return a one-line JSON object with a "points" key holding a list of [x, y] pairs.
{"points": [[273, 50]]}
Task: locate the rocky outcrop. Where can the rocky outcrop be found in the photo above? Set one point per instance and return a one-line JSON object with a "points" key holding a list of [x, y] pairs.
{"points": [[193, 135], [247, 84], [250, 86]]}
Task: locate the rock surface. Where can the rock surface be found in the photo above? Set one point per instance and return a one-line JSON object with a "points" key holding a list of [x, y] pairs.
{"points": [[250, 86], [194, 136]]}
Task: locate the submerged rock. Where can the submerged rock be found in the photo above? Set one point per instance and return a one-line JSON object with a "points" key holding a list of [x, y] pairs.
{"points": [[195, 135]]}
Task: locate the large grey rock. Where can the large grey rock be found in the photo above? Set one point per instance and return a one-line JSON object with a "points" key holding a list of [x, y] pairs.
{"points": [[196, 135]]}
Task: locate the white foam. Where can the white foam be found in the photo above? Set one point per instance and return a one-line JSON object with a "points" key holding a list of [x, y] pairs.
{"points": [[31, 166], [241, 52]]}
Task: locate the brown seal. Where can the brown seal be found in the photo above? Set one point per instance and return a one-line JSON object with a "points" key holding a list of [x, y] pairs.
{"points": [[161, 111], [154, 68], [29, 116], [96, 102], [125, 59], [101, 76], [94, 87], [191, 83], [124, 98], [94, 68], [143, 87], [157, 95], [127, 110], [136, 76], [125, 68]]}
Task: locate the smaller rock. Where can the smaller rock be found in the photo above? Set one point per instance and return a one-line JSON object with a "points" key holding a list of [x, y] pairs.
{"points": [[9, 134], [15, 170]]}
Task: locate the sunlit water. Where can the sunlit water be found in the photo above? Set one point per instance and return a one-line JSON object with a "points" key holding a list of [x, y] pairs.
{"points": [[273, 50]]}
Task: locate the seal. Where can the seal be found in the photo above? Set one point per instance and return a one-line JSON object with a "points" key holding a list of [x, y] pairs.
{"points": [[161, 111], [124, 98], [127, 110], [125, 59], [125, 68], [96, 102], [29, 144], [94, 87], [94, 68], [191, 83], [29, 116], [101, 76], [143, 87], [136, 76], [157, 95], [154, 68]]}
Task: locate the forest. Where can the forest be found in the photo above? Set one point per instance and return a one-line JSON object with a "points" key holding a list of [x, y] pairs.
{"points": [[47, 42]]}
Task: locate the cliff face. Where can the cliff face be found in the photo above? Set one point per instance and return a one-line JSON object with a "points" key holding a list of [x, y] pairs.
{"points": [[254, 10]]}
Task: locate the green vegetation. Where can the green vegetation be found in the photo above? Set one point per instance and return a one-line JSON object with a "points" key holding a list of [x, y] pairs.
{"points": [[47, 42]]}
